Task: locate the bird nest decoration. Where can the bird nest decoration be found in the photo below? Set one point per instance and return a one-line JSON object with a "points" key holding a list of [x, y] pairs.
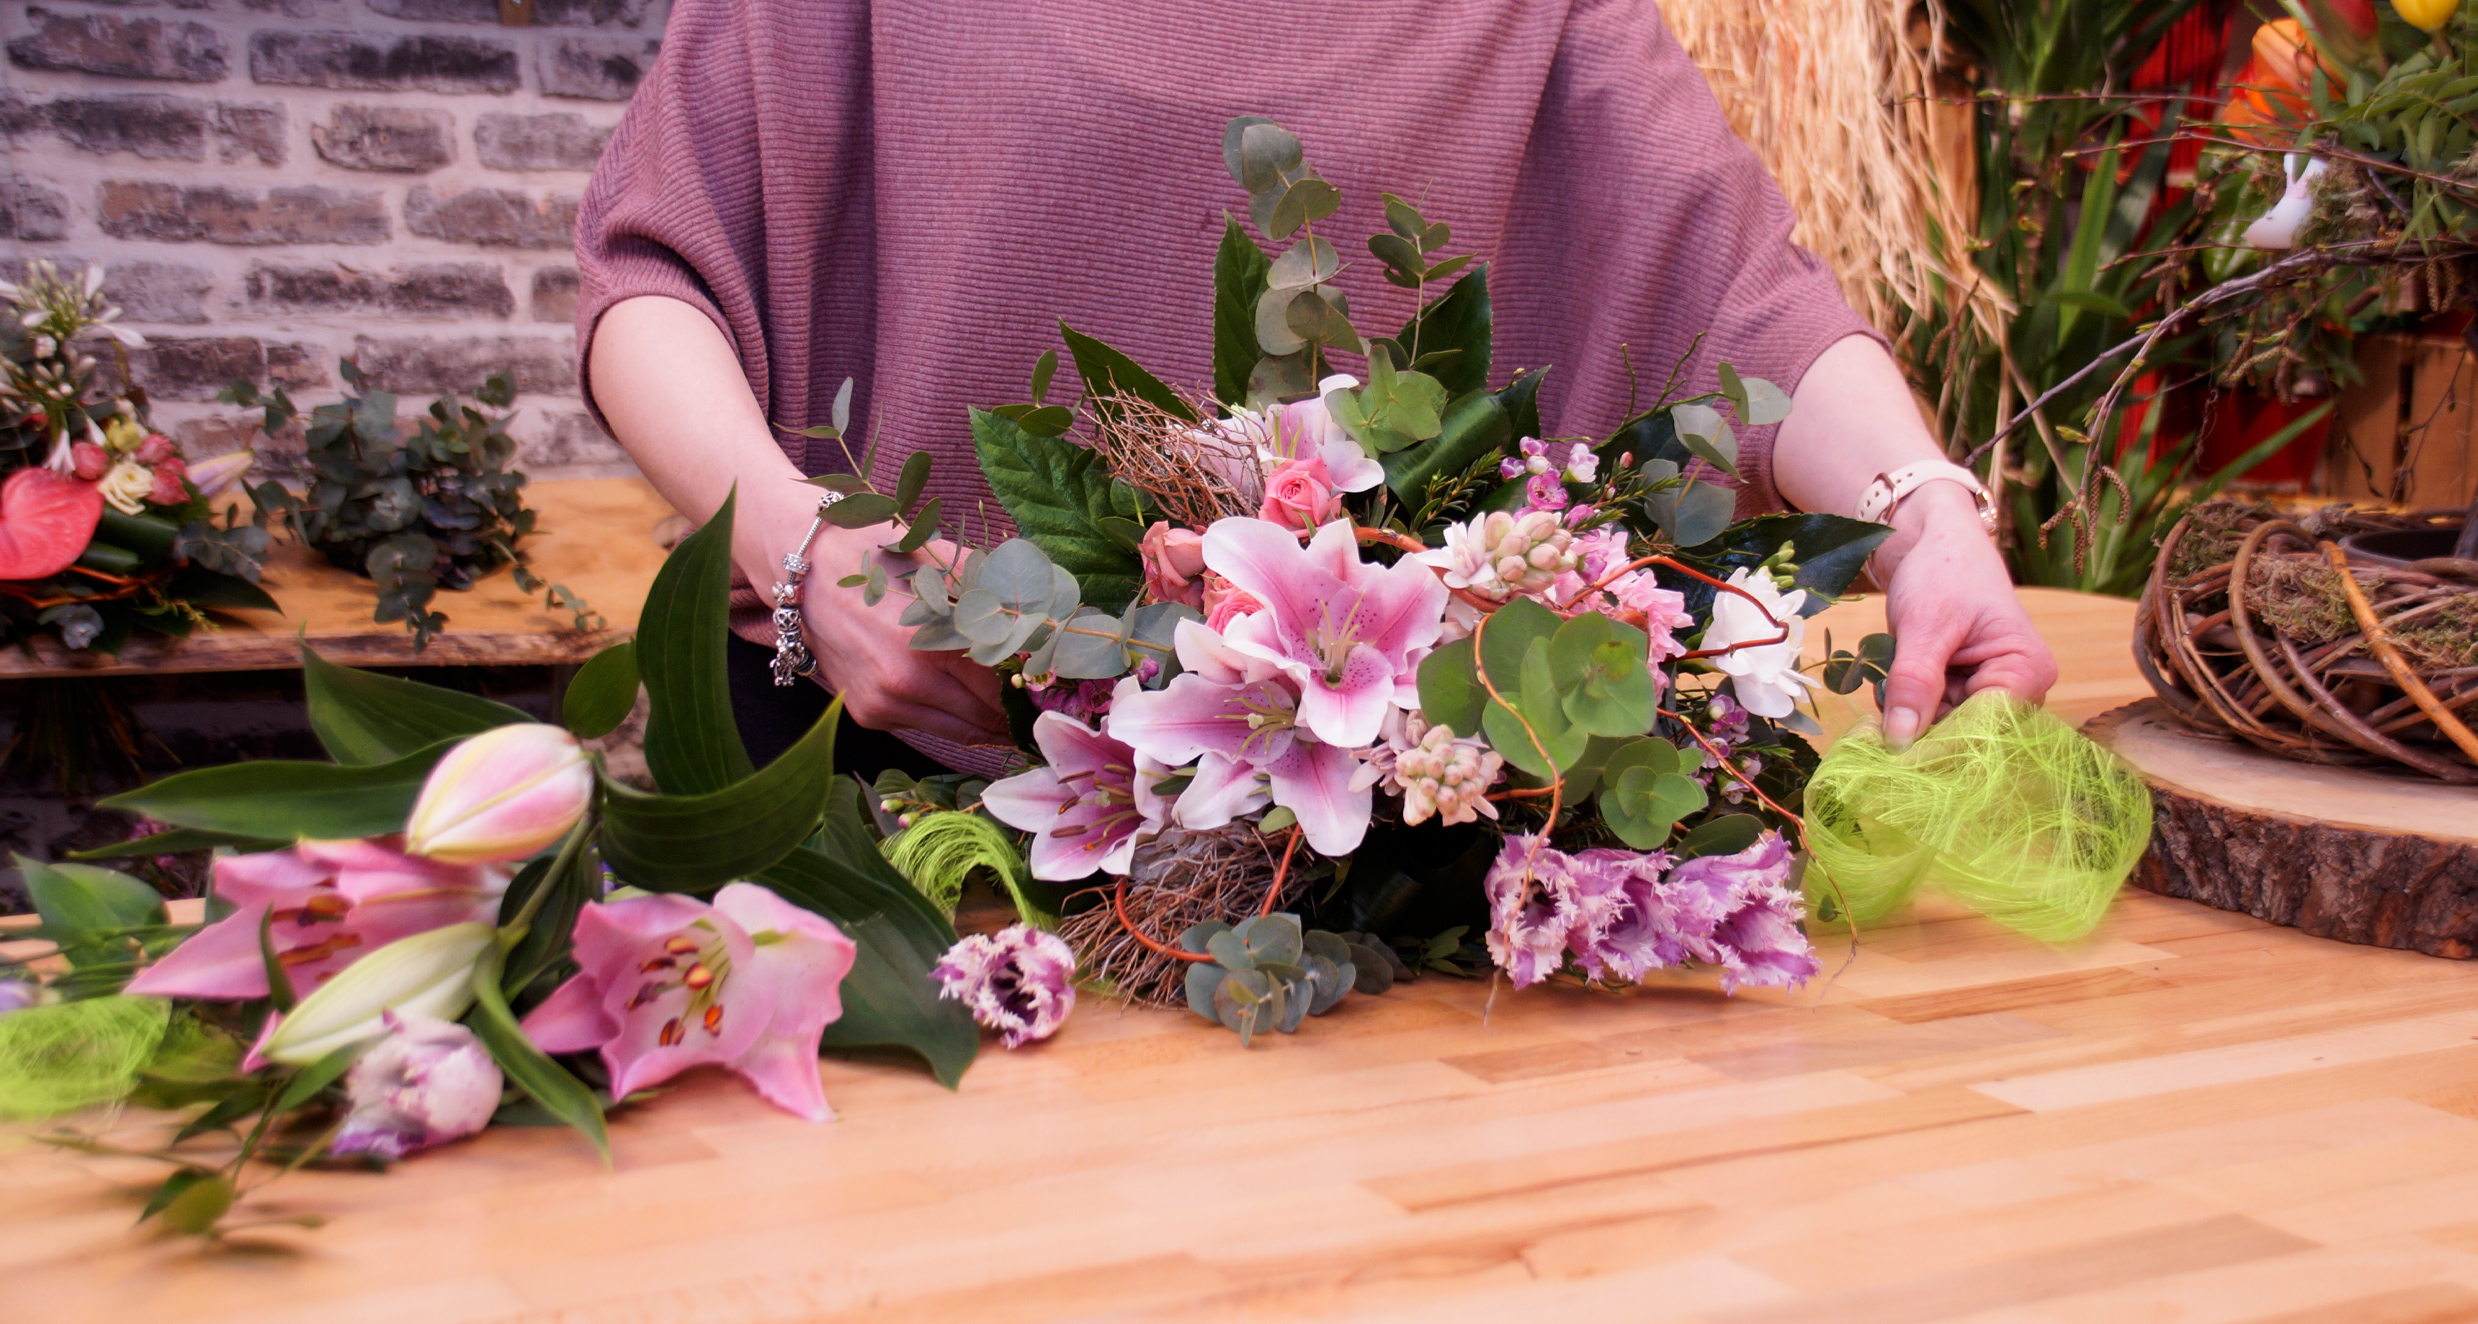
{"points": [[2334, 637]]}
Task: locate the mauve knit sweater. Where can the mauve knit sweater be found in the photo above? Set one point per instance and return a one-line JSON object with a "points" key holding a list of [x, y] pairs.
{"points": [[913, 193]]}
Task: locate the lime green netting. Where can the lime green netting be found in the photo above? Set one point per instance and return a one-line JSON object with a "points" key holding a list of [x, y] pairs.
{"points": [[2010, 810], [67, 1055]]}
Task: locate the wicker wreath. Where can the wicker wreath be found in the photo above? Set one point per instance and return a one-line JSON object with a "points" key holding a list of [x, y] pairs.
{"points": [[2258, 626]]}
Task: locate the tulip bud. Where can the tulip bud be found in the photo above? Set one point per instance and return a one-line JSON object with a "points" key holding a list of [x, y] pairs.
{"points": [[503, 795], [430, 973], [2426, 15], [428, 1082], [212, 476]]}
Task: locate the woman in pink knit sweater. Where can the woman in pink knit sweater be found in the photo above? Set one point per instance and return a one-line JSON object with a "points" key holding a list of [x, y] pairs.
{"points": [[911, 193]]}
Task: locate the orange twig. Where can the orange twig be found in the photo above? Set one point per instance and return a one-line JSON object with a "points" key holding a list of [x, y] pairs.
{"points": [[1280, 872]]}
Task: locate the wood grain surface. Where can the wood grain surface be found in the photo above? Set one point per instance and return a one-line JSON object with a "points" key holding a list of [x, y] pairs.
{"points": [[2191, 1116], [595, 535]]}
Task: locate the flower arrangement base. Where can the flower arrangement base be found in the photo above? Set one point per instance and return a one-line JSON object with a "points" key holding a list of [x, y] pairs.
{"points": [[2379, 858]]}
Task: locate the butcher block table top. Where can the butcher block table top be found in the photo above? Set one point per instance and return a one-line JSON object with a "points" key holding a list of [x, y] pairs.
{"points": [[594, 535], [2189, 1116]]}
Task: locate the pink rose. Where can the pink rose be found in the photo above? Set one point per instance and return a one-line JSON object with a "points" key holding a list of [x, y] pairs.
{"points": [[91, 460], [156, 449], [1300, 495], [1226, 602], [1173, 558], [168, 490]]}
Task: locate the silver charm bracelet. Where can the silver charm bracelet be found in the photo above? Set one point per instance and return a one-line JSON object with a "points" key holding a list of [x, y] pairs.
{"points": [[791, 650]]}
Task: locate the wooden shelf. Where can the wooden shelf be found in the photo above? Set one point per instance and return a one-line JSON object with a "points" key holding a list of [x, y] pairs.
{"points": [[597, 536]]}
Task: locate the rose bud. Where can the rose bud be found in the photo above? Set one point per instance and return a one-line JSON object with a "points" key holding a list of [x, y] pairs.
{"points": [[156, 449], [503, 795], [428, 1082], [168, 490], [430, 973], [89, 460]]}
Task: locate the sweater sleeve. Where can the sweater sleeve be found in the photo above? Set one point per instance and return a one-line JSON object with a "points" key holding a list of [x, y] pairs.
{"points": [[1642, 221], [738, 182]]}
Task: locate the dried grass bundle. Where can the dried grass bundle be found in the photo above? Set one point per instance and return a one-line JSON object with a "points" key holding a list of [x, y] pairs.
{"points": [[1195, 475], [1842, 101], [1180, 879]]}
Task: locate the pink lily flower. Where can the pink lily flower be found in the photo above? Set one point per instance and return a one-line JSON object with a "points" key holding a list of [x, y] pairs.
{"points": [[1090, 806], [1349, 634], [334, 902], [668, 982], [1235, 715]]}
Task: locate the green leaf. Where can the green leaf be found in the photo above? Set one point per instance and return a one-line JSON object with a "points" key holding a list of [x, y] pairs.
{"points": [[1830, 551], [1317, 315], [308, 1081], [692, 743], [601, 692], [196, 1205], [1726, 835], [862, 509], [178, 841], [1561, 741], [566, 882], [1311, 261], [1459, 319], [889, 998], [1598, 666], [526, 1067], [1108, 374], [286, 801], [1044, 368], [363, 718], [694, 843], [1507, 639], [924, 527], [914, 477], [1057, 493], [1694, 514], [280, 994], [1450, 693], [1265, 153], [1643, 806], [1474, 424], [85, 908]]}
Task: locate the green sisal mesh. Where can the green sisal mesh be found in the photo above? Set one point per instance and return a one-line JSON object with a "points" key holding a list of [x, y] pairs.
{"points": [[68, 1055], [2007, 808]]}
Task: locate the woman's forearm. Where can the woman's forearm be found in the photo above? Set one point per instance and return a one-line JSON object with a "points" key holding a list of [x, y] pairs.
{"points": [[1852, 418]]}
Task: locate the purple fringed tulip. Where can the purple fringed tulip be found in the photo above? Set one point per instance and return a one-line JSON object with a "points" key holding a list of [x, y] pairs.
{"points": [[333, 902], [1740, 913], [18, 994], [1535, 908], [668, 982], [428, 1082], [1020, 982], [1633, 931], [503, 795]]}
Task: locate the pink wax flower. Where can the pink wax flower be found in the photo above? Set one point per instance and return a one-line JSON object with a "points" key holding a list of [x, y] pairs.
{"points": [[1020, 982], [1090, 806], [1349, 634], [1753, 931], [1544, 492], [168, 490], [428, 1082], [1225, 603], [89, 460], [1174, 558], [1300, 495], [333, 902], [668, 982]]}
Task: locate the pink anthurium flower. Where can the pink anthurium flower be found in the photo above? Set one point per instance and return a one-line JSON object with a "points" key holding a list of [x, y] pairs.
{"points": [[668, 982], [333, 902], [502, 795], [1090, 806], [1349, 634], [1236, 716]]}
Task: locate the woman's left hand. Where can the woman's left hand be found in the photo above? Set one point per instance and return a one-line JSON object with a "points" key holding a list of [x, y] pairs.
{"points": [[1957, 626]]}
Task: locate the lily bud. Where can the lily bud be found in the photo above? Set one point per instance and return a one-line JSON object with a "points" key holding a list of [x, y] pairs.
{"points": [[502, 795], [430, 973], [212, 476], [428, 1082]]}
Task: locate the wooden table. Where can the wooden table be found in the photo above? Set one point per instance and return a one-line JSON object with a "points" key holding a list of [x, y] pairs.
{"points": [[2188, 1117], [595, 535]]}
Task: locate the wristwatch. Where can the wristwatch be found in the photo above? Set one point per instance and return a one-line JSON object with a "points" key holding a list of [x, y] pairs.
{"points": [[1884, 496]]}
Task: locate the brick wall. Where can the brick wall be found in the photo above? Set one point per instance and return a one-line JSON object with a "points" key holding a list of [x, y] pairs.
{"points": [[272, 184]]}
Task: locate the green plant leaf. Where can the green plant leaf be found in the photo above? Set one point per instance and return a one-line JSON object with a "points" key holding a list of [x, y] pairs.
{"points": [[84, 908], [1107, 373], [308, 1081], [1474, 424], [1643, 807], [692, 743], [278, 800], [1694, 514], [1830, 551], [889, 999], [1058, 493], [861, 509], [192, 1201], [363, 718], [1239, 279], [1508, 637], [178, 841], [601, 692], [526, 1067], [915, 476], [695, 843], [1459, 319], [1726, 835], [1537, 698], [1598, 666]]}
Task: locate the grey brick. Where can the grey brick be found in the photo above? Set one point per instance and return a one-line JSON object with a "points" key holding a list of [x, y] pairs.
{"points": [[546, 13], [406, 139], [492, 217], [594, 68], [554, 294], [297, 367], [295, 215], [563, 141], [366, 62], [158, 291], [31, 211], [423, 365], [451, 289], [573, 440], [256, 130], [155, 128], [196, 367], [119, 47]]}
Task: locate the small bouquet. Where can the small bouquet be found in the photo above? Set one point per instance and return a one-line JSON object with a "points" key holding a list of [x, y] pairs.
{"points": [[105, 527], [1346, 659]]}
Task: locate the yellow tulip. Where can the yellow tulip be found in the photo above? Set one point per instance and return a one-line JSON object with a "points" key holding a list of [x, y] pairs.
{"points": [[2428, 14]]}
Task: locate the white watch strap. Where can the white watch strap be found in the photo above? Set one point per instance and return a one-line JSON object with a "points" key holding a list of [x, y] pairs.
{"points": [[1884, 496]]}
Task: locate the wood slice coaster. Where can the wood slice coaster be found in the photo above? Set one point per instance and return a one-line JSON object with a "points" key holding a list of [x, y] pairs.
{"points": [[2370, 857]]}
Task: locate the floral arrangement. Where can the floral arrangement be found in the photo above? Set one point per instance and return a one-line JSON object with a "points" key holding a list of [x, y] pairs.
{"points": [[1256, 635], [105, 527]]}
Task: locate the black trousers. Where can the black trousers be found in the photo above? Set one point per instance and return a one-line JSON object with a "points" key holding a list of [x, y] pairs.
{"points": [[771, 717]]}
